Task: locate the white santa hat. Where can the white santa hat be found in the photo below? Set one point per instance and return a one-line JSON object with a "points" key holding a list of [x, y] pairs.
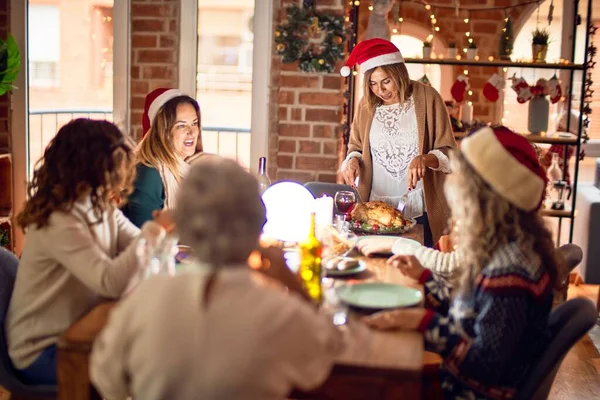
{"points": [[154, 102], [371, 54], [508, 163]]}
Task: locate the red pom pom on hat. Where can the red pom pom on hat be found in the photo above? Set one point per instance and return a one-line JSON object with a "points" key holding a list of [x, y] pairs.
{"points": [[372, 53], [508, 163], [154, 102]]}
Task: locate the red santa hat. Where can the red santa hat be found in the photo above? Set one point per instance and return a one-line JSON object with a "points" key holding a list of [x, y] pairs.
{"points": [[371, 54], [155, 100], [508, 163]]}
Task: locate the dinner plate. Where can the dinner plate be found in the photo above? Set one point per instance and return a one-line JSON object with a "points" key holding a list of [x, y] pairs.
{"points": [[379, 296], [363, 228], [408, 246], [362, 266]]}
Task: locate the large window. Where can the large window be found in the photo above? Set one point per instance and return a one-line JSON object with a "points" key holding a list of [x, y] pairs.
{"points": [[70, 66], [44, 45], [224, 76]]}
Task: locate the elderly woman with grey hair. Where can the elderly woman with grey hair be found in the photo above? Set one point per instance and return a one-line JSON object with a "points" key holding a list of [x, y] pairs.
{"points": [[216, 332]]}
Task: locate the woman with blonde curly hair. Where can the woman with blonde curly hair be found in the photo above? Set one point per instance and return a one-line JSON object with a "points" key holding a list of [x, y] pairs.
{"points": [[79, 247], [256, 341], [491, 324], [171, 126]]}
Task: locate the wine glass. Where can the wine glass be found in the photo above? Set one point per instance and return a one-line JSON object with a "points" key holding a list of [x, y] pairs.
{"points": [[344, 201]]}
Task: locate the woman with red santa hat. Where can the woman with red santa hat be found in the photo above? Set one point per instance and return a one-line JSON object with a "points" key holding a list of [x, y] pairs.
{"points": [[171, 126], [400, 138]]}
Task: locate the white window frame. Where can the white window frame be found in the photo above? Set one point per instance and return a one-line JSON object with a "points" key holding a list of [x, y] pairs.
{"points": [[261, 68], [121, 63], [20, 100]]}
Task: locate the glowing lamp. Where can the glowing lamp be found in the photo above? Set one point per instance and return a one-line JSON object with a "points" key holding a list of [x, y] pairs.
{"points": [[288, 206]]}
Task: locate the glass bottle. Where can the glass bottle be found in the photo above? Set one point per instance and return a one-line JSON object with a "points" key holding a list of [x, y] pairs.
{"points": [[554, 171], [310, 263], [263, 179]]}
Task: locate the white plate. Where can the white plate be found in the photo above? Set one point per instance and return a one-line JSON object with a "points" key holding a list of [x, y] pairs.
{"points": [[408, 246], [379, 295], [362, 266]]}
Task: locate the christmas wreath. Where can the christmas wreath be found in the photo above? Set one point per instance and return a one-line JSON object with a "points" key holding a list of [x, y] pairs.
{"points": [[313, 39]]}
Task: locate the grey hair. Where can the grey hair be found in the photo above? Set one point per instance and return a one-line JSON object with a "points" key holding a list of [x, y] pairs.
{"points": [[219, 212]]}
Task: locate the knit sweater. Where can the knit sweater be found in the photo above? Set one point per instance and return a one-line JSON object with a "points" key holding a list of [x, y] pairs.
{"points": [[435, 133], [444, 264], [66, 269], [490, 338]]}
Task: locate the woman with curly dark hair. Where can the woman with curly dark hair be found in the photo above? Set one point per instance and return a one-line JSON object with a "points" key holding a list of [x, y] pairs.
{"points": [[79, 247]]}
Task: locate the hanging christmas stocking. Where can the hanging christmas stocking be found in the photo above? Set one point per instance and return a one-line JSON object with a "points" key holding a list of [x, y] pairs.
{"points": [[459, 88], [555, 89], [520, 86], [425, 80], [492, 88]]}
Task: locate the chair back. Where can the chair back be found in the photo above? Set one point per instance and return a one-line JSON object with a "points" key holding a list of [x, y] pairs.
{"points": [[572, 254], [8, 273], [568, 323], [318, 189], [8, 379]]}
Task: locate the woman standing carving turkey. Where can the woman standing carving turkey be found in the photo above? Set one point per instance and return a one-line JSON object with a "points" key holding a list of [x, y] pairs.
{"points": [[400, 138]]}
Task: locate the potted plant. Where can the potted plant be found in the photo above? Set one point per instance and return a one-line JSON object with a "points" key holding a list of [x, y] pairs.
{"points": [[10, 63], [471, 51], [427, 49], [452, 49], [539, 44]]}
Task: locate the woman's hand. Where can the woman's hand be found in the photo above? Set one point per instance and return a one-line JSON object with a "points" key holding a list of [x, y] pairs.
{"points": [[372, 246], [408, 265], [405, 319], [165, 219], [274, 266], [351, 171], [418, 166]]}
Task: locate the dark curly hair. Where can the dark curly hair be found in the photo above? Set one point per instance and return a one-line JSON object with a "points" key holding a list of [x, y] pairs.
{"points": [[85, 156]]}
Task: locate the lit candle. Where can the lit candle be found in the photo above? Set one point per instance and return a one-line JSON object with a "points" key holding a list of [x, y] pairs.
{"points": [[467, 112], [324, 211]]}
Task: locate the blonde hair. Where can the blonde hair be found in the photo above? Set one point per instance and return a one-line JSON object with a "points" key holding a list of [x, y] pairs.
{"points": [[398, 74], [485, 221], [156, 149], [219, 212]]}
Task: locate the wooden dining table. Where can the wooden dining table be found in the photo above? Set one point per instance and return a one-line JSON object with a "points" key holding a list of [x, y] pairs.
{"points": [[373, 364]]}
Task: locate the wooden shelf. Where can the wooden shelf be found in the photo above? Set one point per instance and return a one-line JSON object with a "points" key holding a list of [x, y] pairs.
{"points": [[556, 139], [4, 155], [499, 63], [5, 217], [566, 213]]}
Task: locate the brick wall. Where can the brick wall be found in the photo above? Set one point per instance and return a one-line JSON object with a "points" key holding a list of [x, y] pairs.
{"points": [[4, 100], [154, 52], [306, 109], [306, 112]]}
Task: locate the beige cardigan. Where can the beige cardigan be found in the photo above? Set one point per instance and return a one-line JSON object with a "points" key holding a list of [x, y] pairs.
{"points": [[66, 268], [435, 133]]}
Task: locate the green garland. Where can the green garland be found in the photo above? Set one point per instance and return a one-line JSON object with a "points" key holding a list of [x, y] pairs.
{"points": [[292, 39]]}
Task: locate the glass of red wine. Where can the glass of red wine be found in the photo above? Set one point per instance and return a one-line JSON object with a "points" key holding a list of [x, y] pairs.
{"points": [[344, 201]]}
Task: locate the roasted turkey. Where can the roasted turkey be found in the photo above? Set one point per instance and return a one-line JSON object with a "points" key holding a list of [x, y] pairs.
{"points": [[377, 213]]}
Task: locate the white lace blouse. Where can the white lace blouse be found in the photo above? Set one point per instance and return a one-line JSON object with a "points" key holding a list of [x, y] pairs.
{"points": [[394, 141]]}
